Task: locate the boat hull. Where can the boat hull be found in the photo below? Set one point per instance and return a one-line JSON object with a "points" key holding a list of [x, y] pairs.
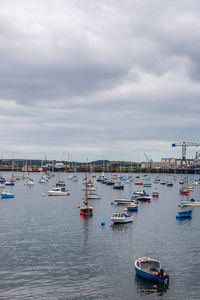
{"points": [[7, 195], [148, 276], [52, 193], [86, 210]]}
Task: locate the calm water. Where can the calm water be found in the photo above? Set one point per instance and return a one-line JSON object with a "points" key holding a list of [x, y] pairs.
{"points": [[49, 252]]}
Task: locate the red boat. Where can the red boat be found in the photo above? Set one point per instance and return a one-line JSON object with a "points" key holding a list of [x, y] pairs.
{"points": [[138, 183], [184, 191]]}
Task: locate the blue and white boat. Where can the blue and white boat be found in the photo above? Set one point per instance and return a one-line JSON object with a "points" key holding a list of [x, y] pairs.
{"points": [[146, 184], [121, 218], [150, 269], [184, 214], [7, 194], [133, 206]]}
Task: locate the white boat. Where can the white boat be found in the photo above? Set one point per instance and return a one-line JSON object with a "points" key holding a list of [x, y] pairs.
{"points": [[59, 191], [121, 218], [7, 194], [123, 201], [93, 196], [191, 202], [2, 185], [89, 188], [30, 182], [86, 210]]}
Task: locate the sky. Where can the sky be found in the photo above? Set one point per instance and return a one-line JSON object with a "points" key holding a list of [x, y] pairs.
{"points": [[103, 79]]}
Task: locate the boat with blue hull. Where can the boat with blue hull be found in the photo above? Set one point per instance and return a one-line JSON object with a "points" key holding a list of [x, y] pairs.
{"points": [[133, 206], [7, 194], [150, 269], [184, 214]]}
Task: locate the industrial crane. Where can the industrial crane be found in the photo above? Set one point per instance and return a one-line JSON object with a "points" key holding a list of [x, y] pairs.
{"points": [[150, 162], [184, 145]]}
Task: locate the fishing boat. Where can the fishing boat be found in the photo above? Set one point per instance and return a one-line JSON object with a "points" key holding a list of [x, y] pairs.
{"points": [[133, 206], [184, 214], [86, 210], [191, 202], [150, 269], [59, 191], [7, 194], [118, 186], [121, 218]]}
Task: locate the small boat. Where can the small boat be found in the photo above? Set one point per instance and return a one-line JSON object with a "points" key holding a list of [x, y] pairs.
{"points": [[146, 184], [59, 191], [184, 191], [110, 182], [118, 186], [139, 192], [2, 185], [86, 210], [123, 201], [150, 269], [144, 198], [184, 214], [121, 218], [163, 182], [9, 183], [195, 183], [7, 194], [60, 183], [146, 177], [138, 183], [155, 194], [30, 182], [89, 188], [133, 206], [169, 183], [93, 196], [191, 202]]}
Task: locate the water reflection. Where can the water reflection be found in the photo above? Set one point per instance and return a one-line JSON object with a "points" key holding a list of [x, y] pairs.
{"points": [[145, 287]]}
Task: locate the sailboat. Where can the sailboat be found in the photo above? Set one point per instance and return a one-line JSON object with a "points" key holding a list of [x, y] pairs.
{"points": [[86, 210]]}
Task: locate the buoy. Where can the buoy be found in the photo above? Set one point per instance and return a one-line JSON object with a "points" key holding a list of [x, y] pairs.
{"points": [[179, 205], [155, 286], [78, 206], [24, 183], [42, 194], [81, 213], [29, 185], [103, 223], [53, 185], [111, 203], [147, 200], [116, 193], [82, 198]]}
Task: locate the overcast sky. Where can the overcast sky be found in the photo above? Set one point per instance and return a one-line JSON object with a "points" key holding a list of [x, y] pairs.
{"points": [[108, 78]]}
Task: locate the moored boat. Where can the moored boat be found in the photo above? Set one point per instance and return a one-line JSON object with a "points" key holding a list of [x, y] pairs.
{"points": [[93, 196], [150, 269], [7, 194], [123, 201], [191, 202], [133, 206], [184, 214], [121, 218], [59, 191], [118, 186]]}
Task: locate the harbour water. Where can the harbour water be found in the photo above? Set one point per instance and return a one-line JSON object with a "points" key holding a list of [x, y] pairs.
{"points": [[48, 251]]}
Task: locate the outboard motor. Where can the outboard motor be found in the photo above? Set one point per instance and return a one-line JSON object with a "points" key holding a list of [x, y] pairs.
{"points": [[162, 275]]}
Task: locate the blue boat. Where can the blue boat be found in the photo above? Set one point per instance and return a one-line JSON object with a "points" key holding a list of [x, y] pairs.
{"points": [[150, 269], [146, 184], [133, 206], [184, 214], [7, 194]]}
